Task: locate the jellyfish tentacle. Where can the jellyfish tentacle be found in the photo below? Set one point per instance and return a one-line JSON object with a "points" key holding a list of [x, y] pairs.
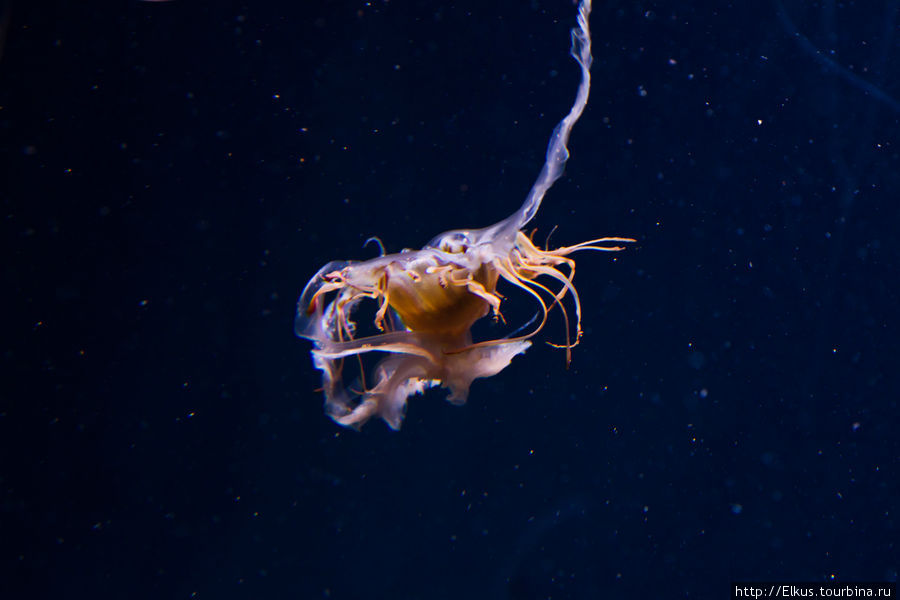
{"points": [[557, 149]]}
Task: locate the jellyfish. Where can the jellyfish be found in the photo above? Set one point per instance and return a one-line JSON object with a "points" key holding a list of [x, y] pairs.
{"points": [[425, 302]]}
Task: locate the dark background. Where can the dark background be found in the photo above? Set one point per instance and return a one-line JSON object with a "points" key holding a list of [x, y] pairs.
{"points": [[174, 172]]}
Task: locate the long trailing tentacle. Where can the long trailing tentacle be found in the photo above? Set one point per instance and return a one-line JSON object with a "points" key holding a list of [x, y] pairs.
{"points": [[557, 301], [590, 245], [557, 150]]}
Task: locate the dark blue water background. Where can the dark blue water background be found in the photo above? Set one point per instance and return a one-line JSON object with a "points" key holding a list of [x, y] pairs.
{"points": [[175, 172]]}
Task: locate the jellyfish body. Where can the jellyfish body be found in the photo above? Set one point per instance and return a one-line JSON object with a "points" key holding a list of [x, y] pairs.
{"points": [[426, 301]]}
